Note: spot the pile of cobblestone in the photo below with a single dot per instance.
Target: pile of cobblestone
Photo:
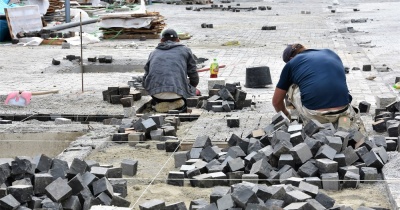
(49, 183)
(286, 162)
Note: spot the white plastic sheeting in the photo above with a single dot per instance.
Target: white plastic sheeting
(42, 4)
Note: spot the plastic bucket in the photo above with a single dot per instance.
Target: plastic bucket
(258, 77)
(4, 32)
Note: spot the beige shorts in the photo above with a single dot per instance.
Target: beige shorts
(294, 97)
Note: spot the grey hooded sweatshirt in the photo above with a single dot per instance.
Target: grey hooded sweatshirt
(168, 68)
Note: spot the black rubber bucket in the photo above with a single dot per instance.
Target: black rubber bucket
(258, 77)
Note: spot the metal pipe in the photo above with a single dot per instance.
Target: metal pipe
(67, 11)
(70, 25)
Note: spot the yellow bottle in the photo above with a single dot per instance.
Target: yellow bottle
(214, 68)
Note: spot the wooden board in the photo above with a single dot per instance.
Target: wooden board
(52, 42)
(23, 19)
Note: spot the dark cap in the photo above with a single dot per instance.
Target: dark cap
(287, 53)
(169, 33)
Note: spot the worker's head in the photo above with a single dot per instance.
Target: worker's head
(292, 50)
(169, 35)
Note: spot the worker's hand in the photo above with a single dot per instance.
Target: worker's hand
(198, 93)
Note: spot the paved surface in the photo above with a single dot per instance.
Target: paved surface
(374, 42)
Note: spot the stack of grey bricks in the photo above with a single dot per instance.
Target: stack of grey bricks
(49, 183)
(222, 98)
(387, 120)
(148, 127)
(284, 153)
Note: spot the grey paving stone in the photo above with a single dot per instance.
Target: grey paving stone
(41, 181)
(42, 162)
(77, 166)
(252, 178)
(176, 206)
(180, 158)
(330, 181)
(58, 190)
(301, 153)
(368, 174)
(202, 142)
(308, 188)
(129, 167)
(371, 159)
(176, 178)
(152, 205)
(243, 195)
(102, 185)
(72, 203)
(351, 180)
(9, 202)
(325, 200)
(326, 165)
(326, 151)
(77, 184)
(308, 169)
(262, 168)
(208, 154)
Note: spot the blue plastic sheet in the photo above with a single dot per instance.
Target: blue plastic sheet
(4, 4)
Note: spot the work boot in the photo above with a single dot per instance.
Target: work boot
(164, 107)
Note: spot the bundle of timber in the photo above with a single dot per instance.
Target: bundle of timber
(54, 5)
(146, 25)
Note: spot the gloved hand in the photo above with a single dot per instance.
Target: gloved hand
(198, 93)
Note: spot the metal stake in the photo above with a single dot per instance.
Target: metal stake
(81, 48)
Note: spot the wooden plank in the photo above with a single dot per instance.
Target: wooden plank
(131, 36)
(9, 26)
(186, 146)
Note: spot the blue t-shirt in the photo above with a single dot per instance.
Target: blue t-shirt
(320, 76)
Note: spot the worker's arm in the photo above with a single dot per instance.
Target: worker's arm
(278, 101)
(192, 70)
(146, 69)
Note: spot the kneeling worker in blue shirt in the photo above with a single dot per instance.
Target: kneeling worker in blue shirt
(315, 83)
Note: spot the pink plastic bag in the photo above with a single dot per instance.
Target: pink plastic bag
(18, 99)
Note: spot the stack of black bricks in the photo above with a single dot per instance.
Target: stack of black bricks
(49, 183)
(386, 119)
(308, 158)
(221, 7)
(114, 95)
(222, 98)
(101, 59)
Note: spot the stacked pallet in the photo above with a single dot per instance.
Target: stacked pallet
(147, 25)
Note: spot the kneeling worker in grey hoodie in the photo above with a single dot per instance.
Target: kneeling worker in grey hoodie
(171, 74)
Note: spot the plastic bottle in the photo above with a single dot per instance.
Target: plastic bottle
(397, 85)
(214, 68)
